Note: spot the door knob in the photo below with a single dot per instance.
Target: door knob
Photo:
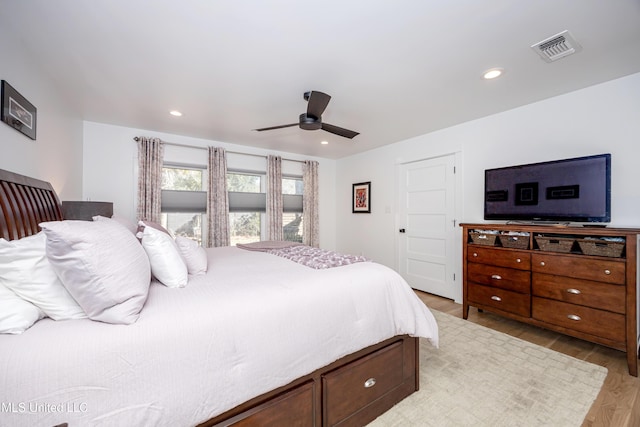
(402, 230)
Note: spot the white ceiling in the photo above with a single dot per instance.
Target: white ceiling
(395, 69)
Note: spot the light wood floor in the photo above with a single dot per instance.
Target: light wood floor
(617, 405)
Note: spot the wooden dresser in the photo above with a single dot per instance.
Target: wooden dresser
(579, 281)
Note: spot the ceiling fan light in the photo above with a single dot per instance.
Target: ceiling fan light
(309, 122)
(312, 119)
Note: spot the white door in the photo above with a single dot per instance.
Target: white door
(427, 225)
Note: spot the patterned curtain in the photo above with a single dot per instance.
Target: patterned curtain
(150, 157)
(310, 232)
(218, 199)
(274, 198)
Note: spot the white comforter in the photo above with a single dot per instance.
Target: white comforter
(254, 322)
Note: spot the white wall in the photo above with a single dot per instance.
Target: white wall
(600, 119)
(56, 154)
(110, 168)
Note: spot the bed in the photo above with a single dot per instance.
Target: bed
(256, 340)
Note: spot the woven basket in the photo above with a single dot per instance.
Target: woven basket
(512, 241)
(555, 244)
(601, 248)
(484, 239)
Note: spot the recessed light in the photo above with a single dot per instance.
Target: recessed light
(324, 142)
(175, 113)
(493, 73)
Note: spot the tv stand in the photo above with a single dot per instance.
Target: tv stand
(579, 281)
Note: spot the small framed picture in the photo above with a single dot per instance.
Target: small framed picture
(361, 198)
(17, 112)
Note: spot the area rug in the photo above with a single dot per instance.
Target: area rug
(482, 377)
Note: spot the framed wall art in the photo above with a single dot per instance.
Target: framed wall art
(17, 112)
(361, 198)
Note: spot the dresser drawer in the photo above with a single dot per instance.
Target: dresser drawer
(513, 302)
(499, 257)
(506, 278)
(584, 319)
(608, 271)
(600, 295)
(352, 387)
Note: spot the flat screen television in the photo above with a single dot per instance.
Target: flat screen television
(568, 190)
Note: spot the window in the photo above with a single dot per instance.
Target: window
(182, 179)
(292, 226)
(292, 221)
(245, 227)
(292, 186)
(184, 204)
(247, 206)
(247, 201)
(184, 201)
(244, 182)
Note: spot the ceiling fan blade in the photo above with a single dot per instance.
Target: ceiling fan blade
(317, 103)
(277, 127)
(339, 131)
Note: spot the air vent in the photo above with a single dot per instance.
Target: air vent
(557, 47)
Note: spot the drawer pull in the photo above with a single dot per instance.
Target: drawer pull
(370, 383)
(542, 263)
(574, 317)
(475, 254)
(518, 260)
(496, 298)
(607, 272)
(574, 291)
(496, 277)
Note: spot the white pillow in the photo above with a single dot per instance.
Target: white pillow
(102, 265)
(16, 314)
(159, 227)
(194, 255)
(166, 263)
(25, 269)
(126, 223)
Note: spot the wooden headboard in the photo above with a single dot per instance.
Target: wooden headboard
(24, 203)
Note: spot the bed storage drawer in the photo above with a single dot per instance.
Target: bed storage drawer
(294, 407)
(351, 388)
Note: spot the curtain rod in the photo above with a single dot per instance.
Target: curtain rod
(198, 147)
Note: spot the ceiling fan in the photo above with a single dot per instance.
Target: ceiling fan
(312, 119)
